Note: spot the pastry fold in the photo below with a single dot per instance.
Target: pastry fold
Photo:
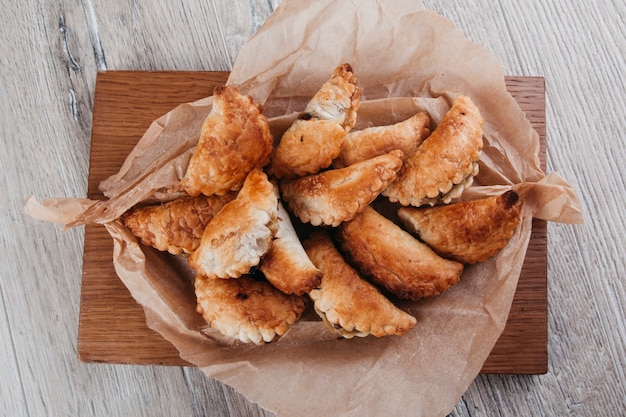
(235, 138)
(241, 233)
(349, 305)
(406, 136)
(337, 195)
(446, 162)
(394, 259)
(246, 309)
(469, 231)
(315, 138)
(175, 226)
(286, 265)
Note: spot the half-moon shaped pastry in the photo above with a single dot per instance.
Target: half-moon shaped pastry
(175, 226)
(394, 259)
(349, 305)
(235, 138)
(468, 232)
(446, 162)
(247, 309)
(241, 233)
(337, 195)
(406, 135)
(286, 265)
(315, 138)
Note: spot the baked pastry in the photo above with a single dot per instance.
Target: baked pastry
(349, 305)
(468, 232)
(446, 162)
(247, 309)
(241, 233)
(394, 259)
(406, 135)
(235, 138)
(287, 266)
(175, 226)
(315, 138)
(337, 195)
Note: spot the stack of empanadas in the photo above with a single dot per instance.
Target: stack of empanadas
(446, 163)
(348, 304)
(250, 205)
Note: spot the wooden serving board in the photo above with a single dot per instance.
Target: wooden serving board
(112, 326)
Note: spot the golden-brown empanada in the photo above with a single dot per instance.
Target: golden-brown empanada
(394, 259)
(337, 195)
(406, 135)
(286, 265)
(241, 233)
(446, 162)
(175, 226)
(315, 138)
(247, 309)
(235, 138)
(347, 304)
(468, 232)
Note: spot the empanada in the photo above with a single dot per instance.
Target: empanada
(175, 226)
(241, 233)
(315, 138)
(247, 309)
(394, 259)
(406, 135)
(337, 195)
(286, 265)
(446, 162)
(235, 138)
(347, 304)
(468, 232)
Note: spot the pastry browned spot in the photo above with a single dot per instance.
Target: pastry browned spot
(235, 138)
(394, 259)
(175, 226)
(247, 309)
(315, 138)
(469, 231)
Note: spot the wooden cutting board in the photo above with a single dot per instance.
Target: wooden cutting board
(112, 326)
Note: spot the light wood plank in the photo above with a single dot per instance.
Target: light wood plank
(47, 97)
(43, 102)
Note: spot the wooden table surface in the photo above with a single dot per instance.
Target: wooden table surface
(50, 55)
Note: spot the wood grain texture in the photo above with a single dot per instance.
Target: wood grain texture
(112, 326)
(51, 53)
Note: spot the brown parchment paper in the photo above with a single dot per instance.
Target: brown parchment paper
(406, 58)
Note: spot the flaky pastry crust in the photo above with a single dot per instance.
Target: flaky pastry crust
(235, 138)
(315, 138)
(241, 233)
(394, 259)
(349, 305)
(469, 231)
(447, 158)
(175, 226)
(337, 195)
(406, 136)
(286, 265)
(246, 309)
